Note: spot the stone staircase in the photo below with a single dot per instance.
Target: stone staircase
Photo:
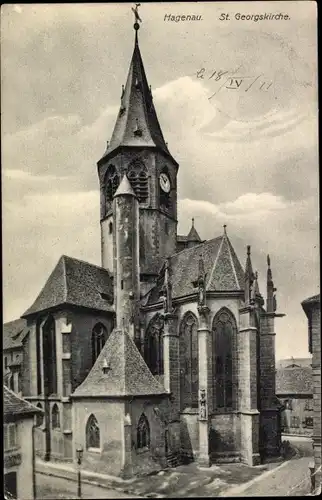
(173, 459)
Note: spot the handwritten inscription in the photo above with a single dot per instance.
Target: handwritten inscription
(231, 82)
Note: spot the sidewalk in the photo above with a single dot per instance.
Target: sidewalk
(185, 480)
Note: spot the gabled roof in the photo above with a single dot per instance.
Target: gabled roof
(222, 267)
(297, 381)
(288, 362)
(75, 282)
(137, 112)
(13, 333)
(193, 234)
(127, 375)
(15, 406)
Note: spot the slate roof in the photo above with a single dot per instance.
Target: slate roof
(296, 381)
(307, 304)
(137, 109)
(14, 405)
(193, 235)
(222, 267)
(13, 332)
(75, 282)
(284, 363)
(128, 374)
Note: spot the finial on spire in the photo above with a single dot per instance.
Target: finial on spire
(137, 19)
(193, 222)
(225, 226)
(268, 261)
(248, 249)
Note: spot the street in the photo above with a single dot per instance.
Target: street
(50, 487)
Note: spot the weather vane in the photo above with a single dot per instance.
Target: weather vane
(136, 14)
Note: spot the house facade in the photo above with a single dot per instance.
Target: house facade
(18, 459)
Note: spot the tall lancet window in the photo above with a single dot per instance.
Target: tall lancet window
(92, 433)
(112, 181)
(99, 337)
(224, 331)
(153, 348)
(138, 177)
(189, 362)
(49, 353)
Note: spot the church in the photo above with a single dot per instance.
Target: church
(165, 353)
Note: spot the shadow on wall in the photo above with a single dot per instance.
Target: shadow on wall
(186, 446)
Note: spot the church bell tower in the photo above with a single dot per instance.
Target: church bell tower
(138, 150)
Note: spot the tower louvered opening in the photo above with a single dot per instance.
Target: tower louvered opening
(138, 178)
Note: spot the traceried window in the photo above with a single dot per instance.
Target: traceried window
(153, 348)
(55, 417)
(92, 433)
(143, 433)
(39, 416)
(112, 181)
(189, 363)
(138, 177)
(223, 340)
(49, 361)
(99, 337)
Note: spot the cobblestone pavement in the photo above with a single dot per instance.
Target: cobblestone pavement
(55, 488)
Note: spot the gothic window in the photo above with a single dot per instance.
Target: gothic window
(189, 361)
(223, 340)
(39, 416)
(92, 433)
(112, 181)
(11, 383)
(138, 178)
(143, 433)
(55, 417)
(110, 228)
(5, 362)
(49, 361)
(99, 337)
(153, 349)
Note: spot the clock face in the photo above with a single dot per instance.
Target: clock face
(164, 182)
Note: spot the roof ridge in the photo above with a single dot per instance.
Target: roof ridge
(215, 263)
(231, 259)
(84, 262)
(65, 294)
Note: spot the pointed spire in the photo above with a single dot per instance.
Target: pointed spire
(249, 278)
(137, 104)
(193, 236)
(271, 297)
(125, 188)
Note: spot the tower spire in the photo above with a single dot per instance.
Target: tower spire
(137, 19)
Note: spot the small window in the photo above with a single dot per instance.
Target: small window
(10, 436)
(295, 421)
(308, 422)
(143, 433)
(55, 417)
(5, 362)
(308, 405)
(110, 228)
(122, 284)
(92, 433)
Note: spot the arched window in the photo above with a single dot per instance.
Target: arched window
(143, 433)
(92, 433)
(99, 337)
(189, 361)
(55, 417)
(110, 228)
(138, 177)
(11, 383)
(39, 416)
(153, 348)
(49, 361)
(224, 344)
(112, 181)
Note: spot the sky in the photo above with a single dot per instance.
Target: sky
(248, 155)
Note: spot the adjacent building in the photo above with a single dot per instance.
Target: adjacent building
(164, 353)
(18, 458)
(13, 337)
(312, 309)
(294, 388)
